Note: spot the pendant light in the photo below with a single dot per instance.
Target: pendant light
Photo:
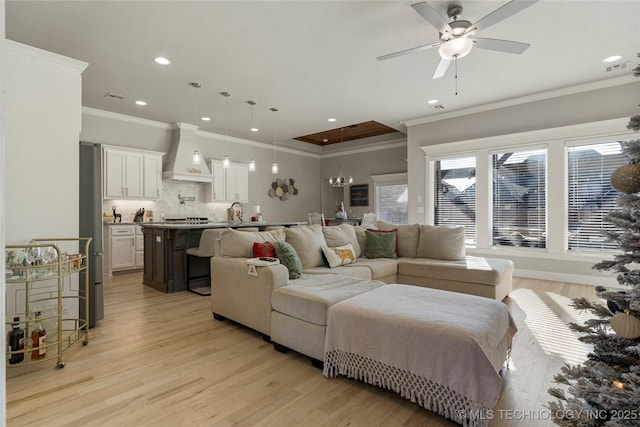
(226, 163)
(340, 181)
(252, 163)
(196, 158)
(274, 165)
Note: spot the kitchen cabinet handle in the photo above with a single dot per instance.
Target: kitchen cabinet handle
(122, 190)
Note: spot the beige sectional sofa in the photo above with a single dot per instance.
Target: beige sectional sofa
(292, 312)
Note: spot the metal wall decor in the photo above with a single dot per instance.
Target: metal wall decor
(283, 188)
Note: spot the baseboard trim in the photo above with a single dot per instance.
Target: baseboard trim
(583, 279)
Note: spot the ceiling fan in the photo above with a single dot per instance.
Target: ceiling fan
(456, 36)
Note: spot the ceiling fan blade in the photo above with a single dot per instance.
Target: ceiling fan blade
(507, 46)
(406, 51)
(503, 12)
(441, 68)
(432, 17)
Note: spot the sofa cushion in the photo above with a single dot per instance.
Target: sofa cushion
(265, 249)
(380, 267)
(441, 242)
(338, 235)
(309, 297)
(289, 258)
(487, 271)
(308, 242)
(353, 270)
(362, 237)
(339, 255)
(381, 245)
(235, 243)
(408, 235)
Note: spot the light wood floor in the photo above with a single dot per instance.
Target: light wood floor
(160, 359)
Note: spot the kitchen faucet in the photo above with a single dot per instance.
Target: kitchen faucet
(241, 211)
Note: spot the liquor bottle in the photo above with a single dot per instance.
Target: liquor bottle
(16, 342)
(38, 339)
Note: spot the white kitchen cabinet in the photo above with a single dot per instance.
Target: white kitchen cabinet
(229, 185)
(237, 183)
(218, 189)
(139, 255)
(132, 174)
(125, 247)
(152, 176)
(123, 174)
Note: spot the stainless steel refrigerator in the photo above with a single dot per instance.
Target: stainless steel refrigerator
(91, 226)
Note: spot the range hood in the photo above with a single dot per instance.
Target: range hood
(178, 164)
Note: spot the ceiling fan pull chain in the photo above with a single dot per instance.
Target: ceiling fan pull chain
(456, 75)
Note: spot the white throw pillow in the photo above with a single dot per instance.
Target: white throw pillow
(340, 255)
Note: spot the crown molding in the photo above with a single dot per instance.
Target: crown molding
(386, 145)
(55, 58)
(226, 138)
(125, 118)
(540, 96)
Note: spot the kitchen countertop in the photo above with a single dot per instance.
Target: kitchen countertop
(125, 223)
(218, 224)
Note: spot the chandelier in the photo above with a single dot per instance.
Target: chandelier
(341, 181)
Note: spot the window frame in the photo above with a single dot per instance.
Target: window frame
(556, 140)
(386, 179)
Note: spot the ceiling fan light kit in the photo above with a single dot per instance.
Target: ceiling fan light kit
(456, 48)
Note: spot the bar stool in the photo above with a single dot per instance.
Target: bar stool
(205, 249)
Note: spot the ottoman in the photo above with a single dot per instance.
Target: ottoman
(440, 349)
(299, 316)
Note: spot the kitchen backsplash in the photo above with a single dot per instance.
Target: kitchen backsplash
(169, 206)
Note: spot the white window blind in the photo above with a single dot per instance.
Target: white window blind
(519, 198)
(391, 203)
(591, 196)
(455, 194)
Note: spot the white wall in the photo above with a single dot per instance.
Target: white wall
(3, 333)
(42, 99)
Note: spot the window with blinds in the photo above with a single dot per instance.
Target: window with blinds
(391, 203)
(591, 196)
(519, 198)
(455, 194)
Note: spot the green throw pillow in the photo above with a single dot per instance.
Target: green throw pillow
(290, 259)
(381, 245)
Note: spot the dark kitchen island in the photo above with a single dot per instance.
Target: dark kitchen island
(165, 245)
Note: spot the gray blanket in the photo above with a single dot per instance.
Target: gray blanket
(441, 349)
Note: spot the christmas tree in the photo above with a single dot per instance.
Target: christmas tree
(605, 389)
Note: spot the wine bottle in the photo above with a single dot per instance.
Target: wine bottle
(16, 342)
(38, 339)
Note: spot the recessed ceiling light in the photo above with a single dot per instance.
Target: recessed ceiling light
(161, 60)
(140, 102)
(432, 101)
(331, 119)
(612, 58)
(254, 129)
(205, 118)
